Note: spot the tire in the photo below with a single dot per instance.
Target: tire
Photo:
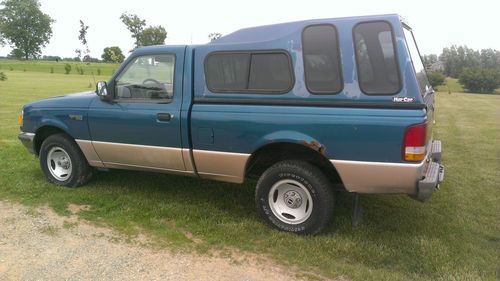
(295, 196)
(63, 163)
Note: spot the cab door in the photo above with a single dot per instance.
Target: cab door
(140, 127)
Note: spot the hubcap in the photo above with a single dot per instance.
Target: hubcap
(290, 201)
(59, 163)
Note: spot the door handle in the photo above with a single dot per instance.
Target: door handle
(164, 117)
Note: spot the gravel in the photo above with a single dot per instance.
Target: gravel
(41, 245)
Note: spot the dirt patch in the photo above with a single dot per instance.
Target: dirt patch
(44, 246)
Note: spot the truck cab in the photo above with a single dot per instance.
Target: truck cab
(306, 108)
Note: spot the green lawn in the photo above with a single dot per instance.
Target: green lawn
(452, 85)
(454, 236)
(106, 69)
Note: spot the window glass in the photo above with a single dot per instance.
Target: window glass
(147, 78)
(270, 72)
(417, 62)
(376, 58)
(321, 59)
(227, 72)
(248, 72)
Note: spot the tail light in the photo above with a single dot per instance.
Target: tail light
(414, 142)
(21, 118)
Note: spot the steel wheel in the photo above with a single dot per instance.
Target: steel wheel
(59, 163)
(290, 201)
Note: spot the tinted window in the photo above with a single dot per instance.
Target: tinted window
(227, 72)
(248, 72)
(270, 72)
(321, 59)
(417, 62)
(147, 78)
(376, 58)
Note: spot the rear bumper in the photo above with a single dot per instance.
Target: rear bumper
(418, 180)
(432, 176)
(27, 140)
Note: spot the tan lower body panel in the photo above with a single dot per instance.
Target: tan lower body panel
(156, 157)
(222, 166)
(136, 157)
(216, 165)
(89, 152)
(379, 177)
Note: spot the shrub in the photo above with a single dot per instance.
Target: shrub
(3, 77)
(436, 79)
(67, 68)
(11, 68)
(98, 72)
(80, 70)
(480, 80)
(51, 69)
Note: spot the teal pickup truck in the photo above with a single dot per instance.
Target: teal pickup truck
(307, 108)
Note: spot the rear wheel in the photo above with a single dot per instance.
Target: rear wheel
(295, 196)
(62, 161)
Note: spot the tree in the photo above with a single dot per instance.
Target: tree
(436, 79)
(78, 54)
(135, 25)
(151, 35)
(214, 36)
(480, 80)
(429, 60)
(83, 38)
(457, 58)
(25, 27)
(113, 54)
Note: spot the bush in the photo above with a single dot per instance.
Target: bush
(67, 68)
(11, 68)
(51, 69)
(80, 70)
(98, 72)
(436, 79)
(480, 80)
(3, 77)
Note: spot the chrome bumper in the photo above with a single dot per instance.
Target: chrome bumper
(433, 175)
(27, 140)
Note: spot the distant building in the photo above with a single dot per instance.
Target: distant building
(436, 66)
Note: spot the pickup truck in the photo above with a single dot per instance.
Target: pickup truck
(307, 108)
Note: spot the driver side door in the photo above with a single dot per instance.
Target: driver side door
(140, 128)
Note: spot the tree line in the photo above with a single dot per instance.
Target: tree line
(27, 30)
(477, 71)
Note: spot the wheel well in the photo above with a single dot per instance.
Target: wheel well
(43, 133)
(273, 153)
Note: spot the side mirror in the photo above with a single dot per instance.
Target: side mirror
(102, 91)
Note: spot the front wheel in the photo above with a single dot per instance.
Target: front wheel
(62, 161)
(295, 196)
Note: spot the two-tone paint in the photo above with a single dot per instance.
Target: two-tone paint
(213, 135)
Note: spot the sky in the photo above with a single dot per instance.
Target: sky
(437, 24)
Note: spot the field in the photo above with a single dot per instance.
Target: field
(105, 69)
(454, 236)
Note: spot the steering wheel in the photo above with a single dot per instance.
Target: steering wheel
(150, 80)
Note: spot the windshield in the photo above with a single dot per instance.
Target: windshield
(423, 82)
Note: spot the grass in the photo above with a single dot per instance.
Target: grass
(452, 85)
(106, 69)
(454, 236)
